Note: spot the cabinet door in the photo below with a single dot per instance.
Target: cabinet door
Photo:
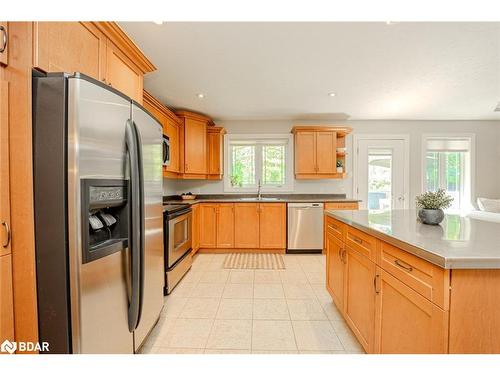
(272, 225)
(4, 170)
(305, 152)
(69, 47)
(195, 143)
(335, 269)
(359, 297)
(406, 322)
(225, 225)
(326, 152)
(246, 225)
(6, 299)
(214, 141)
(4, 43)
(208, 225)
(122, 74)
(172, 130)
(195, 230)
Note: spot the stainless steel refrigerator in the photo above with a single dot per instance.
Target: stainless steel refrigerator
(98, 216)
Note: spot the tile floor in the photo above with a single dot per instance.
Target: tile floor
(214, 310)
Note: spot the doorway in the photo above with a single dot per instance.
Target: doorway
(381, 171)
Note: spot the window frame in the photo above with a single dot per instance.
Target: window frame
(286, 139)
(467, 191)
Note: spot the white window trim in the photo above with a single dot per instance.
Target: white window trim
(355, 145)
(471, 163)
(289, 157)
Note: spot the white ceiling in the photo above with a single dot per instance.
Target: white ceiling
(286, 70)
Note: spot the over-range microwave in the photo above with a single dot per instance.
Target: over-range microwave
(166, 150)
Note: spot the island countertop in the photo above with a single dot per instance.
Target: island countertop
(457, 243)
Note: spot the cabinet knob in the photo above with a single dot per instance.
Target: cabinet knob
(4, 39)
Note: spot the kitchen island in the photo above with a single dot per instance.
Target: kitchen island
(406, 287)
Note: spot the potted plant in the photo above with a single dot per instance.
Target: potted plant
(431, 205)
(340, 166)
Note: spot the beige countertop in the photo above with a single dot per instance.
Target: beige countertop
(285, 199)
(457, 243)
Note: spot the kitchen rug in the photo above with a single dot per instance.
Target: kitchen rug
(254, 261)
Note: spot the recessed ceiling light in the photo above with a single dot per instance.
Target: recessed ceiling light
(200, 96)
(158, 22)
(497, 109)
(390, 23)
(332, 94)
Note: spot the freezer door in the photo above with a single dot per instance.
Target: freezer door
(99, 289)
(150, 134)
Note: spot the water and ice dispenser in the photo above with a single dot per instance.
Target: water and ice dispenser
(105, 218)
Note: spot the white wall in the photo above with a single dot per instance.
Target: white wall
(487, 168)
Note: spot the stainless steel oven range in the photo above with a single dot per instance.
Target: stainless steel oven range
(177, 243)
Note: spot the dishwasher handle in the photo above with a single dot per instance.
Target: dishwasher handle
(306, 205)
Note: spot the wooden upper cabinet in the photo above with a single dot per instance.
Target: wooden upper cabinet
(326, 152)
(305, 149)
(195, 147)
(215, 151)
(208, 225)
(70, 47)
(4, 43)
(122, 74)
(316, 151)
(225, 225)
(100, 50)
(246, 225)
(5, 224)
(272, 225)
(406, 322)
(335, 269)
(359, 297)
(6, 299)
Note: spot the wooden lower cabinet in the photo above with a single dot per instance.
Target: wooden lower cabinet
(246, 226)
(195, 228)
(225, 226)
(406, 322)
(6, 299)
(272, 225)
(208, 225)
(359, 297)
(335, 269)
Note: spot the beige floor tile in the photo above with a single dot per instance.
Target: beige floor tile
(205, 290)
(183, 289)
(200, 308)
(161, 350)
(341, 327)
(267, 277)
(188, 333)
(241, 277)
(238, 291)
(292, 276)
(273, 335)
(173, 306)
(275, 352)
(215, 266)
(160, 332)
(192, 276)
(298, 290)
(230, 334)
(305, 309)
(227, 351)
(321, 293)
(350, 343)
(235, 308)
(322, 352)
(268, 291)
(219, 276)
(316, 277)
(315, 267)
(270, 309)
(331, 311)
(316, 335)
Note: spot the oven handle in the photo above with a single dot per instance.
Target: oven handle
(178, 214)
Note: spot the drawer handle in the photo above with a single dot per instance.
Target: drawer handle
(377, 290)
(403, 265)
(7, 232)
(356, 239)
(4, 39)
(342, 257)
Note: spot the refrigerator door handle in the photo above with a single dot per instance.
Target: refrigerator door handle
(134, 225)
(142, 232)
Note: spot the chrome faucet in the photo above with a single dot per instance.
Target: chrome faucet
(259, 196)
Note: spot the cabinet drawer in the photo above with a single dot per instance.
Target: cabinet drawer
(362, 242)
(427, 279)
(335, 228)
(341, 206)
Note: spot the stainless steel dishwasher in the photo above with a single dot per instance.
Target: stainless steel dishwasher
(305, 227)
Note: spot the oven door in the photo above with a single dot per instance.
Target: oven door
(166, 150)
(179, 237)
